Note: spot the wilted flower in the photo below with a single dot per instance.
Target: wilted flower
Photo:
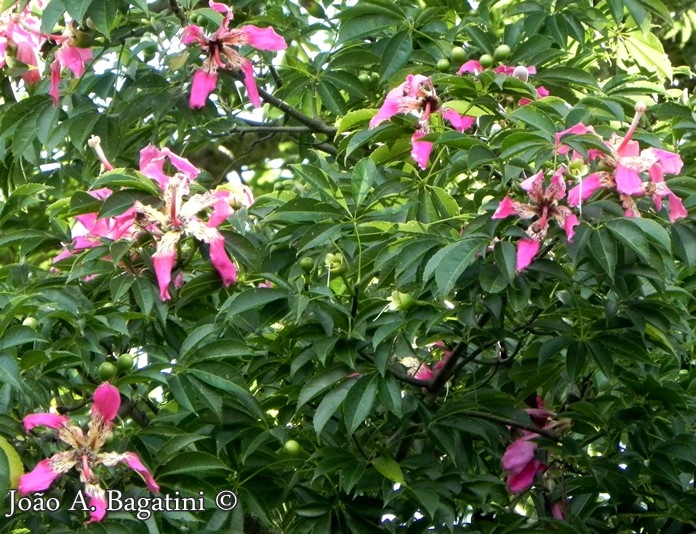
(221, 54)
(67, 56)
(21, 32)
(544, 207)
(417, 95)
(85, 451)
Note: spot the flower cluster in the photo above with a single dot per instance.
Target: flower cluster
(622, 168)
(21, 31)
(520, 72)
(221, 54)
(520, 460)
(178, 215)
(417, 95)
(85, 451)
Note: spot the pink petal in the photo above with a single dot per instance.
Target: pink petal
(222, 263)
(218, 6)
(459, 122)
(506, 208)
(74, 58)
(391, 106)
(264, 38)
(54, 91)
(569, 224)
(526, 250)
(424, 373)
(557, 510)
(584, 189)
(163, 263)
(518, 454)
(577, 129)
(193, 33)
(152, 164)
(472, 67)
(3, 50)
(221, 209)
(420, 151)
(250, 83)
(50, 420)
(533, 185)
(630, 149)
(39, 478)
(134, 463)
(504, 69)
(522, 481)
(676, 208)
(203, 84)
(627, 180)
(106, 401)
(542, 91)
(669, 162)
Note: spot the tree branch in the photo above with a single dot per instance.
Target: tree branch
(316, 125)
(509, 422)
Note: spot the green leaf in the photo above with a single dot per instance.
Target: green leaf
(192, 462)
(118, 178)
(603, 249)
(320, 382)
(77, 8)
(353, 120)
(359, 401)
(222, 383)
(389, 468)
(506, 258)
(331, 98)
(396, 54)
(365, 26)
(103, 13)
(645, 50)
(536, 118)
(390, 395)
(250, 299)
(564, 76)
(197, 336)
(632, 236)
(450, 262)
(175, 445)
(576, 359)
(331, 402)
(363, 178)
(118, 202)
(18, 335)
(51, 14)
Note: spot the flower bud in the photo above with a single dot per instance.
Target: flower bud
(521, 73)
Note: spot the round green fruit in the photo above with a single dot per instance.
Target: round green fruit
(443, 65)
(307, 264)
(106, 371)
(31, 322)
(502, 53)
(364, 77)
(458, 54)
(292, 448)
(124, 362)
(486, 61)
(13, 461)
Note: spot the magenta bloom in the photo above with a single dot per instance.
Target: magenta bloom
(417, 95)
(178, 216)
(84, 453)
(544, 207)
(521, 464)
(67, 56)
(220, 54)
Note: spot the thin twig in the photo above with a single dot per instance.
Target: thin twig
(315, 124)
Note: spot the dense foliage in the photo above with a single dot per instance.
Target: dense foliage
(376, 266)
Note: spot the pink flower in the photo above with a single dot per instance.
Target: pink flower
(84, 453)
(220, 54)
(471, 67)
(178, 216)
(417, 95)
(67, 56)
(521, 464)
(544, 207)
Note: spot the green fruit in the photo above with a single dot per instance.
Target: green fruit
(443, 65)
(335, 263)
(307, 264)
(458, 54)
(31, 322)
(292, 448)
(14, 462)
(502, 53)
(124, 362)
(486, 61)
(364, 77)
(106, 371)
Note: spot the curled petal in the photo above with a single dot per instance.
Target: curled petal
(459, 122)
(50, 420)
(54, 90)
(584, 189)
(152, 164)
(506, 208)
(526, 250)
(557, 510)
(133, 461)
(74, 58)
(107, 401)
(676, 207)
(264, 38)
(420, 151)
(97, 502)
(534, 186)
(250, 83)
(219, 6)
(163, 262)
(391, 105)
(518, 454)
(193, 33)
(204, 83)
(45, 472)
(424, 373)
(222, 263)
(568, 221)
(542, 91)
(472, 67)
(577, 129)
(523, 480)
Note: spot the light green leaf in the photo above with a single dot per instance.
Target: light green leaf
(330, 403)
(359, 401)
(450, 262)
(389, 468)
(396, 54)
